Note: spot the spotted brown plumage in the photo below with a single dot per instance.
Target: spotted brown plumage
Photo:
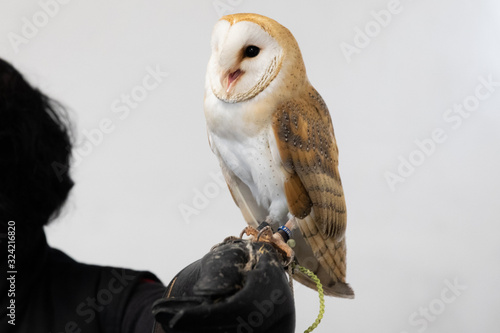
(307, 146)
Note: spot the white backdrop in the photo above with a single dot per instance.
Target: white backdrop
(414, 92)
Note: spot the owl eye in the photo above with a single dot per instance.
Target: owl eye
(251, 51)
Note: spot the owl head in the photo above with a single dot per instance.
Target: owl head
(249, 53)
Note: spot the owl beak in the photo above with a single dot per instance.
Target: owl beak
(231, 79)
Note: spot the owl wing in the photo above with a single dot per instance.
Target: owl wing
(309, 154)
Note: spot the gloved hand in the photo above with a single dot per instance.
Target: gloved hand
(239, 286)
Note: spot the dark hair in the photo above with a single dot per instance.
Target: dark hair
(35, 151)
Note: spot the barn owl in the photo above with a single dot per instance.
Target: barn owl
(273, 136)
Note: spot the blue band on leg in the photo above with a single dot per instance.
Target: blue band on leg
(286, 230)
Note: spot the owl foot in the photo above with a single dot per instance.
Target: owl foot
(275, 239)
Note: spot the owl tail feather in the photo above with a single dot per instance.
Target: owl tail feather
(324, 256)
(338, 289)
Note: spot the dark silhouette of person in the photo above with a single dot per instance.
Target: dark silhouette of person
(47, 291)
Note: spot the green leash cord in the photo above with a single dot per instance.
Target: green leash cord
(319, 286)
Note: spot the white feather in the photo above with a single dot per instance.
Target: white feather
(251, 160)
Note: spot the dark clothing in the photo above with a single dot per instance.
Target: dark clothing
(54, 293)
(239, 286)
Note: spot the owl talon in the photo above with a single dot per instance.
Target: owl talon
(285, 250)
(249, 231)
(266, 233)
(230, 239)
(276, 240)
(226, 240)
